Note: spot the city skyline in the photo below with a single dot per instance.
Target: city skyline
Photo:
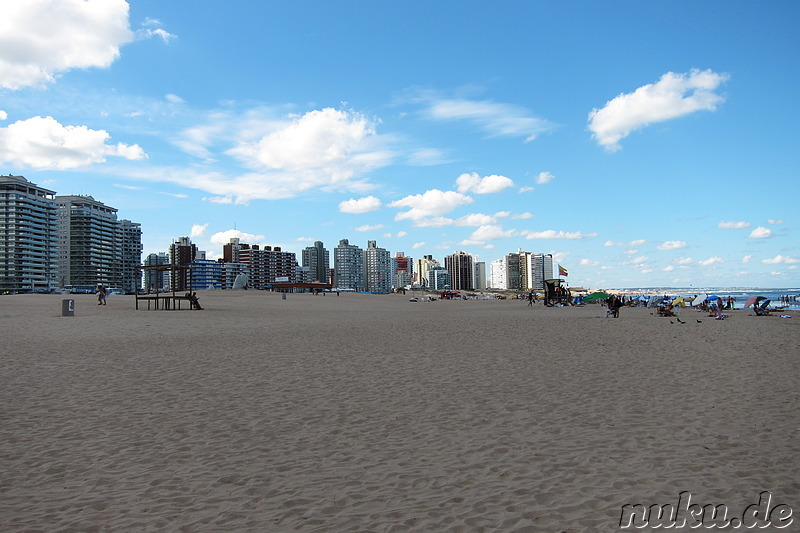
(648, 145)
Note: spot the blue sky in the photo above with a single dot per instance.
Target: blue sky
(641, 143)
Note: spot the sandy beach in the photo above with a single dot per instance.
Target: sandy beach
(372, 413)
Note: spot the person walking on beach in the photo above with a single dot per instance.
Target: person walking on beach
(101, 295)
(530, 299)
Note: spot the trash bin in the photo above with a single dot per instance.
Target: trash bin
(68, 307)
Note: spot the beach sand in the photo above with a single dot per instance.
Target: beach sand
(372, 413)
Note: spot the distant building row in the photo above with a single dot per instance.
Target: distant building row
(49, 241)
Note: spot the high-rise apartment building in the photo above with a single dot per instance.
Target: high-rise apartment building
(421, 271)
(439, 279)
(95, 247)
(348, 265)
(402, 269)
(497, 276)
(462, 271)
(541, 270)
(181, 254)
(156, 280)
(268, 265)
(514, 269)
(28, 236)
(480, 275)
(317, 258)
(377, 269)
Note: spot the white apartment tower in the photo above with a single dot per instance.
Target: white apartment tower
(28, 236)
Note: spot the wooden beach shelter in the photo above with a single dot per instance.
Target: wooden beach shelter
(556, 292)
(170, 300)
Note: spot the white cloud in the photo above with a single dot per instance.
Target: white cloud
(41, 38)
(489, 233)
(668, 268)
(199, 230)
(475, 219)
(588, 263)
(431, 203)
(522, 216)
(3, 115)
(327, 149)
(360, 205)
(418, 245)
(637, 242)
(224, 237)
(544, 177)
(780, 259)
(42, 142)
(486, 185)
(747, 258)
(174, 99)
(427, 157)
(367, 227)
(401, 234)
(497, 119)
(775, 221)
(733, 225)
(152, 28)
(553, 234)
(710, 261)
(525, 189)
(674, 95)
(672, 245)
(760, 233)
(684, 261)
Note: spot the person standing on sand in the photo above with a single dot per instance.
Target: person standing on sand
(101, 295)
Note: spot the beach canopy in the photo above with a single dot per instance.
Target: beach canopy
(596, 296)
(710, 298)
(753, 300)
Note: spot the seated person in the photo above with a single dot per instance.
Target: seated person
(761, 310)
(193, 301)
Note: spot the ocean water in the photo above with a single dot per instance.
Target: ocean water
(739, 294)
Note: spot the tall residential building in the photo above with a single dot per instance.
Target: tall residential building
(497, 276)
(480, 275)
(439, 279)
(95, 247)
(28, 236)
(130, 255)
(421, 271)
(348, 265)
(462, 272)
(377, 269)
(181, 253)
(206, 274)
(156, 280)
(268, 265)
(514, 269)
(402, 270)
(317, 258)
(541, 270)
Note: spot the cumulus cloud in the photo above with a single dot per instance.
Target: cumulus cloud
(328, 149)
(527, 188)
(497, 119)
(431, 203)
(360, 205)
(544, 177)
(780, 259)
(488, 184)
(224, 237)
(42, 142)
(401, 234)
(553, 234)
(760, 233)
(3, 115)
(710, 261)
(672, 245)
(475, 219)
(674, 95)
(747, 258)
(522, 216)
(198, 230)
(733, 225)
(637, 242)
(487, 233)
(42, 38)
(418, 245)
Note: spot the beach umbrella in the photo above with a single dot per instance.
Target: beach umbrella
(711, 298)
(596, 296)
(753, 300)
